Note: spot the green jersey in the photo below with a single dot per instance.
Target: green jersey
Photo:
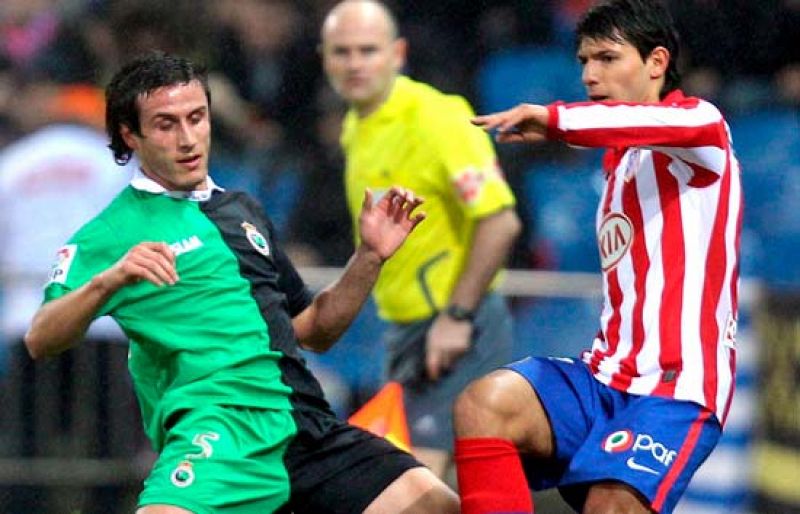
(222, 334)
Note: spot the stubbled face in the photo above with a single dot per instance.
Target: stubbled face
(614, 70)
(176, 136)
(361, 57)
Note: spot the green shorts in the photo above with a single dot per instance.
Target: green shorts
(223, 459)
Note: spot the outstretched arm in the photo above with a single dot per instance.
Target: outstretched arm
(61, 323)
(525, 123)
(383, 227)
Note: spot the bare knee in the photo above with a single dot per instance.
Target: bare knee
(614, 498)
(504, 405)
(417, 491)
(480, 410)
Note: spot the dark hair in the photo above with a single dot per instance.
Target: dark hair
(645, 24)
(140, 77)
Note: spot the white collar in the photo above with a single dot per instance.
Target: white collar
(142, 182)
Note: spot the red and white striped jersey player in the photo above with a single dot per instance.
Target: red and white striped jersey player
(668, 235)
(624, 428)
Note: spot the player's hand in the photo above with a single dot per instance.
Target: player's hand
(386, 224)
(446, 341)
(525, 123)
(153, 262)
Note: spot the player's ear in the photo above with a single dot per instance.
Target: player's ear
(129, 137)
(658, 62)
(399, 49)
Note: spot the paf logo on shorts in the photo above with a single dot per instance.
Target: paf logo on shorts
(646, 443)
(257, 240)
(618, 441)
(614, 239)
(64, 258)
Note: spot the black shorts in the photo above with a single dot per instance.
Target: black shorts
(337, 468)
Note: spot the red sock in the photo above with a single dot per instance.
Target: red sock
(490, 477)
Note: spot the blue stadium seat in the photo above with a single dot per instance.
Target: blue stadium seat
(558, 327)
(768, 146)
(562, 201)
(528, 74)
(274, 183)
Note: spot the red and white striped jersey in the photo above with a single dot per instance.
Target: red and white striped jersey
(668, 228)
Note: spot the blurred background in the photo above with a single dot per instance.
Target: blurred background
(70, 436)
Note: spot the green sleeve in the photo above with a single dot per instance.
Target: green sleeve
(94, 248)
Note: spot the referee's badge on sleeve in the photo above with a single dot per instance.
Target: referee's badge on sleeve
(64, 257)
(469, 184)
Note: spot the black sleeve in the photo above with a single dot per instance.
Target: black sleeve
(290, 283)
(297, 293)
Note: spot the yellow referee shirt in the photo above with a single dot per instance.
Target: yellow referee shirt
(423, 140)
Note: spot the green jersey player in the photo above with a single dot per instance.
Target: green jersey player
(216, 313)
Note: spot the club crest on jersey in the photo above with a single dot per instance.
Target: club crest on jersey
(614, 239)
(183, 475)
(256, 239)
(64, 257)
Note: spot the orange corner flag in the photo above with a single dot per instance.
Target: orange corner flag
(385, 415)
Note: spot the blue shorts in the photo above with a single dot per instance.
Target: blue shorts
(650, 443)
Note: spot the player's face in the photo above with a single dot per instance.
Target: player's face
(615, 71)
(361, 59)
(176, 136)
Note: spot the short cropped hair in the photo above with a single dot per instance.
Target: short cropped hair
(138, 78)
(645, 24)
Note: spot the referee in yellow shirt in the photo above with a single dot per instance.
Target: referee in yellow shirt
(447, 327)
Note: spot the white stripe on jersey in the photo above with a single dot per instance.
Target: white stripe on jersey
(696, 236)
(600, 116)
(710, 157)
(647, 360)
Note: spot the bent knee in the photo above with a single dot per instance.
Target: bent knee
(614, 498)
(487, 407)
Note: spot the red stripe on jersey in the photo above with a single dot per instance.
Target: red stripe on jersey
(716, 263)
(614, 322)
(680, 461)
(641, 265)
(611, 159)
(702, 135)
(701, 176)
(611, 336)
(673, 251)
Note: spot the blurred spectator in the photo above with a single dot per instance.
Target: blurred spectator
(263, 48)
(740, 54)
(320, 227)
(787, 78)
(27, 27)
(51, 182)
(178, 26)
